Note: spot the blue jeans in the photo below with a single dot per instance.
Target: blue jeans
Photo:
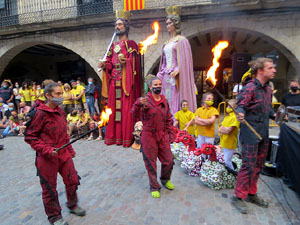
(7, 131)
(90, 101)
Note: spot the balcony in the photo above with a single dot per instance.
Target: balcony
(21, 12)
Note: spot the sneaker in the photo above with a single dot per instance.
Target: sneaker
(60, 222)
(155, 194)
(90, 138)
(257, 201)
(239, 204)
(169, 185)
(78, 211)
(99, 138)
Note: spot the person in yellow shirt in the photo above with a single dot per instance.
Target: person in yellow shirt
(33, 93)
(183, 117)
(229, 130)
(72, 120)
(205, 117)
(68, 99)
(40, 93)
(83, 122)
(25, 93)
(78, 92)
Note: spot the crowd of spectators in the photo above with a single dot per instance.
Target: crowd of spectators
(81, 105)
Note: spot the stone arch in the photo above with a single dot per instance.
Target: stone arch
(267, 31)
(17, 46)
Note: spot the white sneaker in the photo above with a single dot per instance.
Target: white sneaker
(60, 222)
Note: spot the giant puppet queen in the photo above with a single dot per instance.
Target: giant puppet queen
(121, 83)
(176, 65)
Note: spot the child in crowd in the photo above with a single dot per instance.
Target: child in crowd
(95, 122)
(229, 130)
(205, 117)
(22, 123)
(72, 119)
(183, 117)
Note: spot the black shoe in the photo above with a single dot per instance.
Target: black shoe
(78, 211)
(257, 201)
(239, 204)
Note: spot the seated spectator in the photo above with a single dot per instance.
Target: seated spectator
(22, 123)
(83, 122)
(93, 124)
(13, 124)
(6, 116)
(72, 119)
(24, 109)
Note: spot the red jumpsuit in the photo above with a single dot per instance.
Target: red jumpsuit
(47, 131)
(157, 134)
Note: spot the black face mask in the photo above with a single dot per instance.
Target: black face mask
(74, 113)
(156, 90)
(294, 89)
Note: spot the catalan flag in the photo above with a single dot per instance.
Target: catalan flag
(134, 4)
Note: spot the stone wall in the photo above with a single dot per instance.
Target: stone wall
(282, 31)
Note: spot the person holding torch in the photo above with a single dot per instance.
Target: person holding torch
(255, 107)
(158, 132)
(46, 133)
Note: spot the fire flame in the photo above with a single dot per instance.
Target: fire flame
(150, 40)
(104, 117)
(217, 51)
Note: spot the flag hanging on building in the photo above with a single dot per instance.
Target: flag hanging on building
(134, 4)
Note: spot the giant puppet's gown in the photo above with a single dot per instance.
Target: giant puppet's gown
(121, 84)
(177, 55)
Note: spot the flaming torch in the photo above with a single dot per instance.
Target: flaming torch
(104, 118)
(211, 78)
(150, 40)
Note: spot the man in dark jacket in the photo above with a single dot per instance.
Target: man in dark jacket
(255, 106)
(157, 134)
(46, 133)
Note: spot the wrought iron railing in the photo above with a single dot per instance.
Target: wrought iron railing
(19, 12)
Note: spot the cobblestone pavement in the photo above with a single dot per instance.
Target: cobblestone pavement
(114, 190)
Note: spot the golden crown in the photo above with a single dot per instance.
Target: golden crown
(173, 10)
(123, 14)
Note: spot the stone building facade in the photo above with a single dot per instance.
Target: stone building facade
(251, 26)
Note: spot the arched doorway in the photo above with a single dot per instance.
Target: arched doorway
(254, 43)
(39, 61)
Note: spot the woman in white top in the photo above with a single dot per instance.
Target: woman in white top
(17, 95)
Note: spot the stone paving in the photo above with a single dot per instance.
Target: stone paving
(114, 190)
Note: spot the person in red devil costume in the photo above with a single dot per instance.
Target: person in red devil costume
(158, 132)
(47, 132)
(121, 84)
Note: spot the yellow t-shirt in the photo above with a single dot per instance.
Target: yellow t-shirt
(84, 116)
(72, 119)
(183, 118)
(230, 141)
(42, 97)
(33, 94)
(206, 113)
(67, 95)
(77, 91)
(25, 95)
